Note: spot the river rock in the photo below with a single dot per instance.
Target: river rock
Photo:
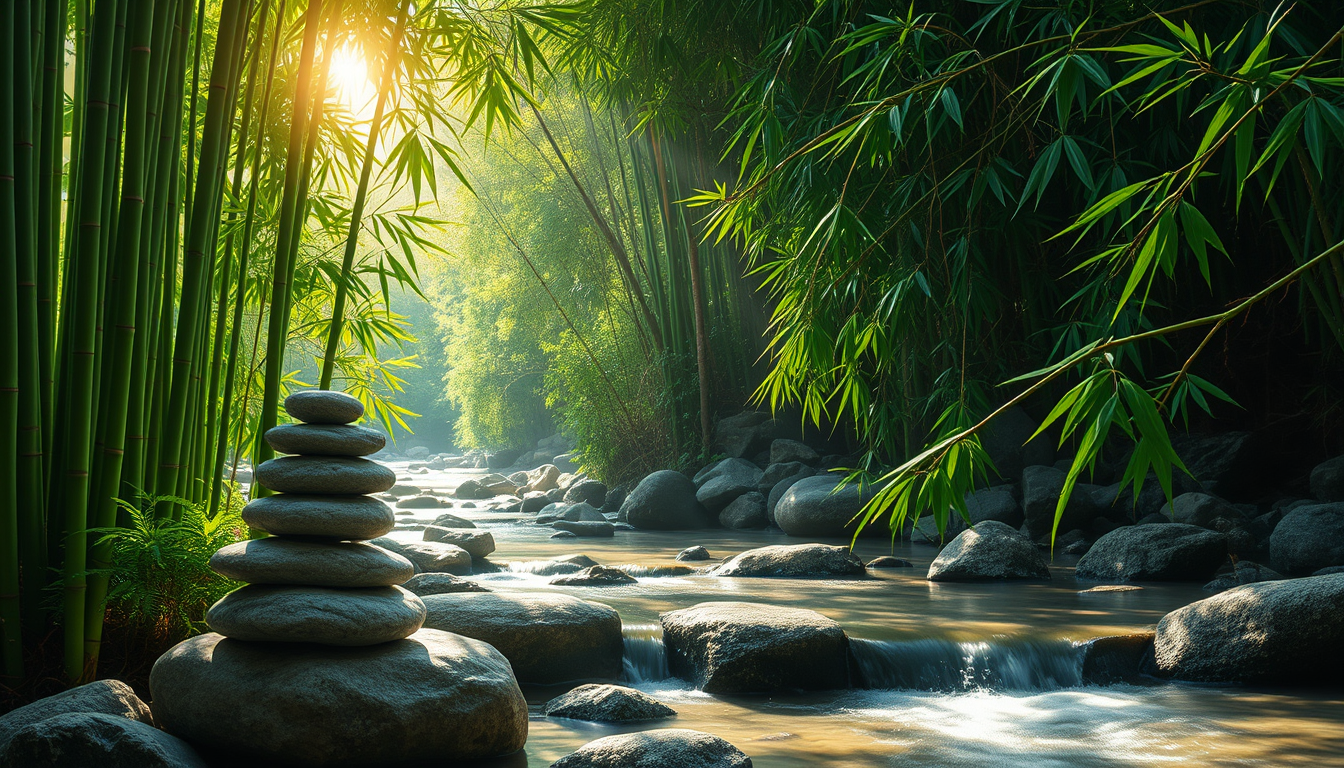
(595, 576)
(1308, 539)
(303, 614)
(1327, 480)
(447, 520)
(276, 560)
(401, 489)
(739, 647)
(887, 561)
(814, 507)
(543, 478)
(794, 560)
(586, 528)
(1164, 552)
(719, 485)
(777, 491)
(1116, 658)
(424, 584)
(745, 512)
(325, 475)
(587, 491)
(661, 748)
(748, 433)
(776, 472)
(338, 517)
(1273, 633)
(1196, 508)
(533, 501)
(1008, 441)
(477, 543)
(1041, 489)
(88, 739)
(784, 450)
(608, 704)
(417, 700)
(693, 554)
(1243, 572)
(419, 502)
(430, 556)
(325, 439)
(665, 500)
(1227, 464)
(107, 697)
(548, 638)
(990, 551)
(996, 503)
(323, 406)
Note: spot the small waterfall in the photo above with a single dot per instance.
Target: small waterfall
(645, 658)
(943, 665)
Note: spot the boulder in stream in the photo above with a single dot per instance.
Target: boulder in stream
(795, 560)
(693, 554)
(662, 748)
(717, 486)
(586, 528)
(442, 584)
(745, 512)
(817, 506)
(1116, 658)
(664, 501)
(477, 543)
(990, 551)
(1309, 538)
(608, 704)
(1160, 552)
(595, 576)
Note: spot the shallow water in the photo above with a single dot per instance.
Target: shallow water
(962, 674)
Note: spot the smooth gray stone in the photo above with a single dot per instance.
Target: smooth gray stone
(420, 701)
(289, 614)
(661, 748)
(1165, 552)
(430, 556)
(595, 576)
(419, 502)
(287, 561)
(442, 584)
(351, 518)
(990, 551)
(586, 528)
(325, 475)
(796, 561)
(325, 439)
(319, 406)
(96, 740)
(608, 704)
(477, 542)
(109, 697)
(1308, 539)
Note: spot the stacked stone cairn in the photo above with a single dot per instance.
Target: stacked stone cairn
(322, 636)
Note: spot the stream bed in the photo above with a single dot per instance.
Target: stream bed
(964, 674)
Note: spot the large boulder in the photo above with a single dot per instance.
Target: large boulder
(1271, 633)
(543, 478)
(990, 551)
(548, 638)
(1041, 489)
(430, 697)
(777, 491)
(1116, 658)
(817, 506)
(1327, 480)
(776, 472)
(745, 512)
(719, 485)
(586, 492)
(478, 543)
(449, 520)
(737, 647)
(86, 739)
(1196, 508)
(504, 458)
(1308, 539)
(785, 450)
(608, 704)
(748, 433)
(1155, 552)
(996, 503)
(1007, 440)
(586, 528)
(107, 697)
(662, 748)
(664, 501)
(794, 560)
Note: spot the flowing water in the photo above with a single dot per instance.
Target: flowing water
(981, 675)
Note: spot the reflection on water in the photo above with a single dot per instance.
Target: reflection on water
(982, 675)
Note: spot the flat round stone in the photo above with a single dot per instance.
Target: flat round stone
(322, 406)
(325, 475)
(325, 439)
(285, 614)
(338, 517)
(286, 561)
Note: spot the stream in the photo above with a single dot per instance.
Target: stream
(961, 674)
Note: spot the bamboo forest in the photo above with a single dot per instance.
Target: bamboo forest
(671, 383)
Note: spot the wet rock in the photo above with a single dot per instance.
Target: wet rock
(785, 451)
(533, 501)
(288, 561)
(725, 481)
(1006, 438)
(1197, 508)
(745, 512)
(302, 614)
(1308, 539)
(1166, 552)
(693, 554)
(738, 647)
(1102, 588)
(564, 535)
(887, 561)
(1116, 659)
(996, 503)
(478, 543)
(615, 498)
(431, 696)
(84, 739)
(662, 748)
(988, 552)
(430, 556)
(608, 704)
(665, 500)
(543, 478)
(452, 521)
(595, 576)
(1041, 489)
(471, 489)
(419, 502)
(548, 638)
(586, 528)
(782, 487)
(816, 506)
(400, 489)
(589, 492)
(1242, 572)
(442, 584)
(107, 697)
(581, 512)
(794, 560)
(1273, 632)
(325, 439)
(318, 406)
(1327, 480)
(656, 571)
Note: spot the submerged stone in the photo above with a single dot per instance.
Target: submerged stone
(595, 576)
(662, 748)
(608, 704)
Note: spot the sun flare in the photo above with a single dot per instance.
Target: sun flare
(350, 76)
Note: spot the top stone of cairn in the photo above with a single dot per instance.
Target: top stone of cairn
(319, 406)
